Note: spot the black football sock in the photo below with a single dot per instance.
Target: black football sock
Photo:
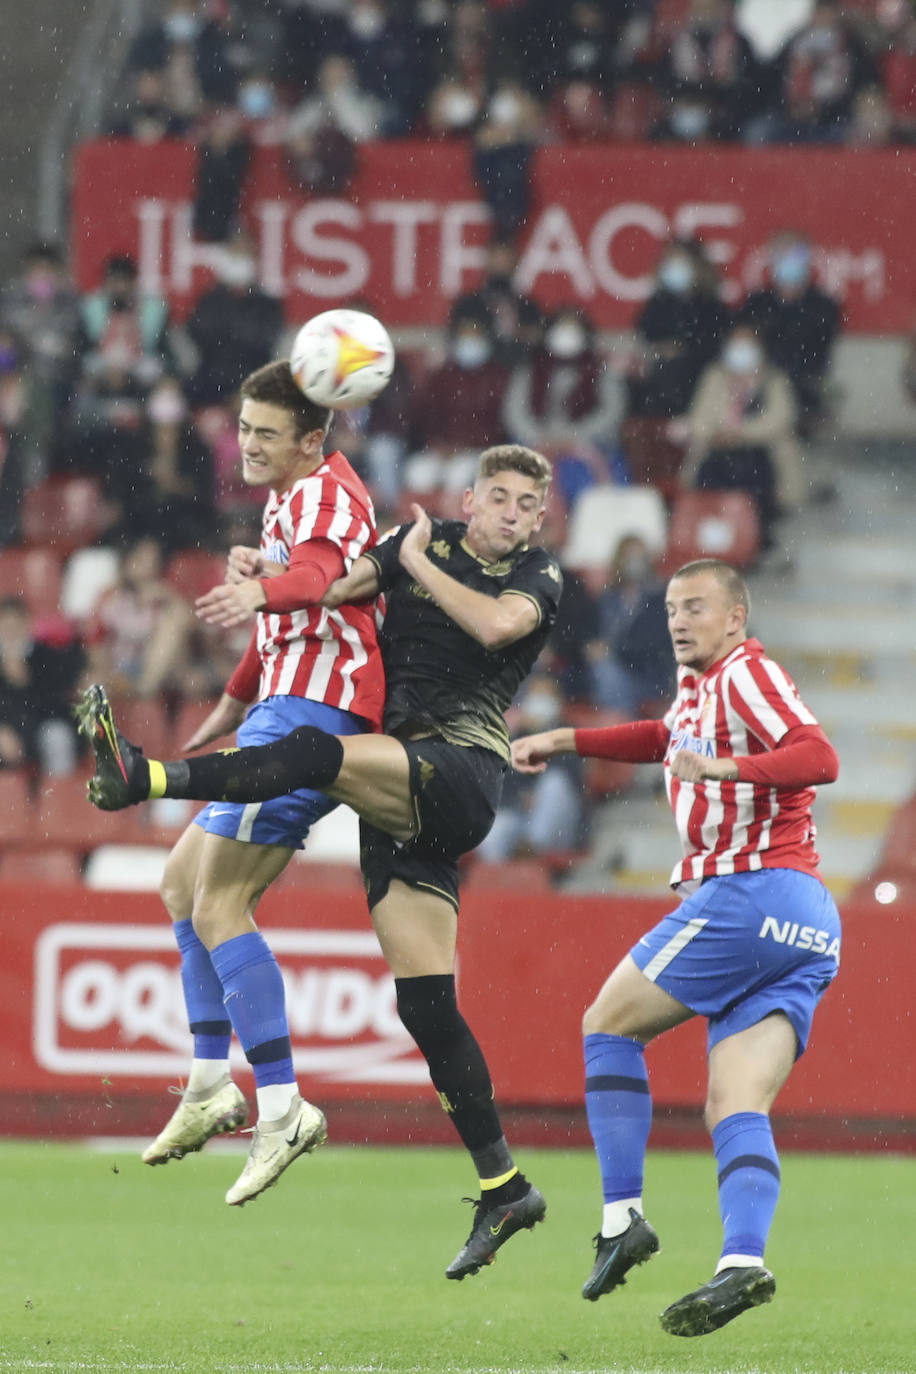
(429, 1010)
(306, 757)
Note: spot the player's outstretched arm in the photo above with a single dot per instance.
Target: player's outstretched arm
(359, 584)
(530, 753)
(225, 718)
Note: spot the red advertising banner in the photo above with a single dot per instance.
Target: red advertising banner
(409, 236)
(91, 1005)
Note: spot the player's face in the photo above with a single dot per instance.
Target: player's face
(272, 456)
(703, 625)
(503, 512)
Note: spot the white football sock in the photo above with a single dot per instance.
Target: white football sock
(617, 1217)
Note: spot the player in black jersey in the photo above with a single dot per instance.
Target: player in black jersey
(469, 607)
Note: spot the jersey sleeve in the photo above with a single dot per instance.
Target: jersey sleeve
(765, 698)
(313, 566)
(537, 577)
(804, 757)
(243, 684)
(324, 509)
(385, 556)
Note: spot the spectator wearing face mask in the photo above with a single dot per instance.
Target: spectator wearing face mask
(40, 306)
(224, 153)
(565, 401)
(630, 655)
(512, 124)
(515, 319)
(798, 323)
(678, 331)
(741, 430)
(457, 409)
(166, 489)
(816, 78)
(235, 325)
(709, 74)
(118, 314)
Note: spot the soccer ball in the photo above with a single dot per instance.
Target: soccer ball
(342, 359)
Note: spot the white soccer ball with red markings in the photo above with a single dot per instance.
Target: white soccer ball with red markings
(342, 359)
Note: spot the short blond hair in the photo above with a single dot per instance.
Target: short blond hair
(516, 458)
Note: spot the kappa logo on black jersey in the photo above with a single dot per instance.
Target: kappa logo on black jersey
(441, 548)
(552, 571)
(427, 771)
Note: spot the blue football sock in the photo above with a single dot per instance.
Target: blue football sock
(748, 1182)
(203, 996)
(255, 1000)
(619, 1110)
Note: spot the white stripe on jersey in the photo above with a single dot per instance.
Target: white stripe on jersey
(354, 642)
(742, 704)
(770, 720)
(672, 948)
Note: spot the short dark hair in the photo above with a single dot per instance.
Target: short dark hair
(731, 581)
(516, 458)
(273, 385)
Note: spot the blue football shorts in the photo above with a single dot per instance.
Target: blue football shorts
(744, 946)
(281, 820)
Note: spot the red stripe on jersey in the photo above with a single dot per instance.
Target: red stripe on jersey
(327, 656)
(742, 706)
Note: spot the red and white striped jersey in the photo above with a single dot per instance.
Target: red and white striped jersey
(328, 656)
(742, 705)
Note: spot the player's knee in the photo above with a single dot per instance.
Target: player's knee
(428, 1007)
(175, 891)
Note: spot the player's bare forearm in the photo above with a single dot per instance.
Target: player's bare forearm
(530, 753)
(359, 584)
(690, 767)
(231, 603)
(494, 622)
(225, 718)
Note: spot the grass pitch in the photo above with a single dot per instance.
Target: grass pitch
(110, 1265)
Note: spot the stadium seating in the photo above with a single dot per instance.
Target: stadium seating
(87, 574)
(35, 575)
(602, 516)
(194, 571)
(713, 524)
(653, 458)
(64, 512)
(61, 867)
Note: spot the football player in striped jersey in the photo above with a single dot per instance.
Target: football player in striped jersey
(752, 947)
(305, 665)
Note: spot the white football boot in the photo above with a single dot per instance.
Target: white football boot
(198, 1116)
(274, 1147)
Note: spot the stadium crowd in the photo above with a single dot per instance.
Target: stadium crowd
(104, 388)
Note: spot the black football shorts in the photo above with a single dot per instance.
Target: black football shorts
(456, 791)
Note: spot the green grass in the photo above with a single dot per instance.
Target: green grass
(109, 1265)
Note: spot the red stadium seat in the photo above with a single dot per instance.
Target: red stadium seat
(651, 456)
(63, 513)
(64, 818)
(59, 866)
(713, 524)
(35, 575)
(15, 807)
(635, 108)
(194, 571)
(522, 875)
(603, 778)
